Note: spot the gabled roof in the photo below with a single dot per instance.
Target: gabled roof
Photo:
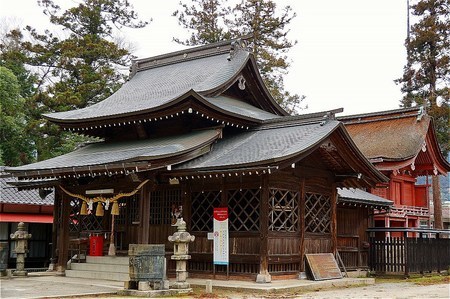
(11, 195)
(396, 139)
(159, 82)
(284, 141)
(358, 196)
(122, 157)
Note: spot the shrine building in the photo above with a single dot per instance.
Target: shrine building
(194, 130)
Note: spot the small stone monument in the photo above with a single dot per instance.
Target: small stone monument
(21, 237)
(181, 240)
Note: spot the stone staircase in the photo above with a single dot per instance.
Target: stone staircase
(101, 267)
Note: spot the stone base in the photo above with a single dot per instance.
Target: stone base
(180, 285)
(20, 273)
(154, 293)
(263, 278)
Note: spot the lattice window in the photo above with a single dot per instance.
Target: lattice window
(79, 223)
(244, 210)
(283, 210)
(128, 210)
(318, 213)
(162, 204)
(202, 210)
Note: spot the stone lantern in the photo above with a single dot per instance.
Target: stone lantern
(181, 240)
(21, 237)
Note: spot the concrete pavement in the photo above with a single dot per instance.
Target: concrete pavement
(49, 285)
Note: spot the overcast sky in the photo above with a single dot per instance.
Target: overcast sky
(348, 52)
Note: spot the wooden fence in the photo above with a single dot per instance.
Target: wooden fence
(416, 251)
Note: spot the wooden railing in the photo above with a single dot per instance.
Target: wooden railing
(427, 252)
(402, 211)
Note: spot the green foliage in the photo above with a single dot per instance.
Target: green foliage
(15, 148)
(204, 20)
(73, 70)
(426, 76)
(211, 21)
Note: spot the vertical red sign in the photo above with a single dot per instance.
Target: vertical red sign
(220, 223)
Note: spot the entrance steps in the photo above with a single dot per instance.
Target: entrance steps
(114, 268)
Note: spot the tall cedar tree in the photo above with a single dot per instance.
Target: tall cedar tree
(79, 70)
(204, 21)
(211, 20)
(426, 75)
(13, 143)
(18, 146)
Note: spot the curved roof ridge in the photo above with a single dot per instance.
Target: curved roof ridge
(188, 54)
(387, 114)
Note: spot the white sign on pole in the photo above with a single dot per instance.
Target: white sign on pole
(221, 236)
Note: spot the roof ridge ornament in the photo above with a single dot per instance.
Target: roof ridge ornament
(326, 118)
(237, 45)
(421, 113)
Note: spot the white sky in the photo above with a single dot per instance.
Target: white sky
(348, 52)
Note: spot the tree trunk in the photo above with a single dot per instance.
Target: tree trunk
(437, 202)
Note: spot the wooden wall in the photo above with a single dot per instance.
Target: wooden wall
(352, 238)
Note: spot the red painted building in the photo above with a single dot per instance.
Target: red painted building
(402, 145)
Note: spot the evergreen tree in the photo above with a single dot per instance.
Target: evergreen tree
(426, 75)
(211, 21)
(80, 69)
(14, 146)
(204, 21)
(15, 115)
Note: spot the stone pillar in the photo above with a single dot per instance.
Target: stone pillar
(181, 240)
(21, 237)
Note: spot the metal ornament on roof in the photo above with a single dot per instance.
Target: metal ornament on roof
(86, 201)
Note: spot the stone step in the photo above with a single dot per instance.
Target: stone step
(114, 268)
(100, 267)
(112, 260)
(98, 275)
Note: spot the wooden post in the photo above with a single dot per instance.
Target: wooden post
(144, 212)
(405, 242)
(302, 230)
(264, 275)
(63, 244)
(56, 213)
(333, 228)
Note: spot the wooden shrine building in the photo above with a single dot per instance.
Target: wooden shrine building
(197, 129)
(402, 145)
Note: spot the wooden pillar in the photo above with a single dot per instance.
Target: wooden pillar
(264, 275)
(333, 228)
(144, 215)
(56, 213)
(302, 228)
(63, 243)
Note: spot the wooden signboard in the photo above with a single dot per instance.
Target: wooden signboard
(323, 266)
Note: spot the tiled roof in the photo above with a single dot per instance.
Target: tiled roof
(124, 152)
(391, 135)
(152, 88)
(354, 195)
(241, 108)
(11, 195)
(263, 145)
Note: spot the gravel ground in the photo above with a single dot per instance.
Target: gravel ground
(385, 291)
